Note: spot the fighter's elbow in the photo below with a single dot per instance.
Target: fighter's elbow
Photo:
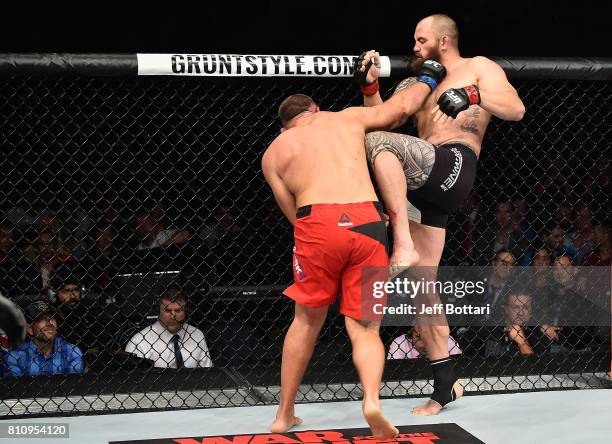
(514, 113)
(519, 112)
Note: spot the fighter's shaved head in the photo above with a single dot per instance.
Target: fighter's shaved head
(442, 25)
(294, 105)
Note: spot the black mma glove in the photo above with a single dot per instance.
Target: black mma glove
(454, 100)
(431, 73)
(12, 321)
(366, 88)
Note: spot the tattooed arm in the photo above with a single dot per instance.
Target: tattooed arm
(404, 84)
(376, 99)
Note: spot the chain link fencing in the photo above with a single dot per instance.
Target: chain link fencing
(119, 192)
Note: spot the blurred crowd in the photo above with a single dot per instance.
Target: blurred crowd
(74, 275)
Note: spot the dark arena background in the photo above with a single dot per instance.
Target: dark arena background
(122, 178)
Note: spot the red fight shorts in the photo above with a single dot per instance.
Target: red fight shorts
(335, 244)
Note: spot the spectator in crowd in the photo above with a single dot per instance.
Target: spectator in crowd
(503, 235)
(412, 346)
(74, 224)
(103, 258)
(522, 237)
(43, 255)
(462, 234)
(553, 241)
(44, 353)
(505, 225)
(67, 287)
(569, 313)
(222, 224)
(553, 187)
(86, 323)
(152, 233)
(171, 342)
(519, 309)
(563, 217)
(48, 222)
(24, 208)
(597, 183)
(600, 256)
(580, 240)
(498, 284)
(229, 241)
(519, 335)
(542, 260)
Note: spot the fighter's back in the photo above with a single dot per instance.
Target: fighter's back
(324, 160)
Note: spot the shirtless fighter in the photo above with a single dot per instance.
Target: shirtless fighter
(318, 172)
(435, 171)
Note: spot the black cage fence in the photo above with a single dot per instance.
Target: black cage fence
(120, 190)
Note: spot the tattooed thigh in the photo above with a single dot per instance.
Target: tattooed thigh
(416, 155)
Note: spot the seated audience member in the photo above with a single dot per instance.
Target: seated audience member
(553, 241)
(86, 323)
(507, 233)
(222, 225)
(462, 234)
(75, 223)
(170, 342)
(413, 347)
(553, 187)
(44, 255)
(581, 240)
(563, 217)
(103, 259)
(44, 353)
(516, 336)
(600, 256)
(522, 237)
(570, 315)
(151, 232)
(542, 260)
(498, 284)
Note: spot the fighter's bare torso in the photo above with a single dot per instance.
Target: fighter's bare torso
(469, 126)
(324, 161)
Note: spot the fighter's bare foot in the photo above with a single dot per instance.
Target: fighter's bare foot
(431, 407)
(381, 428)
(283, 425)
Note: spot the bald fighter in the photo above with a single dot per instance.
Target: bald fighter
(436, 171)
(318, 172)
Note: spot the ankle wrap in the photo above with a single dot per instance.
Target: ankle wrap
(444, 378)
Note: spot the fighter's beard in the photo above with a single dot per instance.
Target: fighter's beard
(415, 62)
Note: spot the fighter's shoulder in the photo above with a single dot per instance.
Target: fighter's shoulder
(480, 63)
(277, 152)
(270, 153)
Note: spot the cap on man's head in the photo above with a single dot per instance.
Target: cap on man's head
(37, 309)
(294, 105)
